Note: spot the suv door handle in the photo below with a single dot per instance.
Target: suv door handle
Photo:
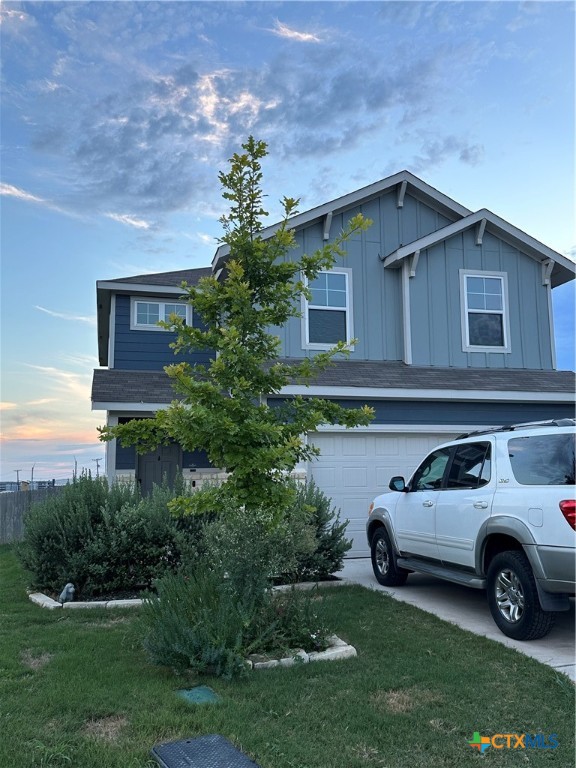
(428, 503)
(481, 505)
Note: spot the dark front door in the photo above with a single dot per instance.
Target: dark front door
(158, 466)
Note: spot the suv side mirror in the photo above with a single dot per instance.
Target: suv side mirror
(397, 484)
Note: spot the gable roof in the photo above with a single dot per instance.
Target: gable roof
(413, 184)
(160, 283)
(562, 268)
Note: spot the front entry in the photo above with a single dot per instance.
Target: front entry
(157, 467)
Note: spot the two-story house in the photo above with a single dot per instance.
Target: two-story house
(452, 314)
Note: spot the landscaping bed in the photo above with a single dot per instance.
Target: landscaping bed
(77, 690)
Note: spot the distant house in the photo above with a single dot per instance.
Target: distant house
(452, 310)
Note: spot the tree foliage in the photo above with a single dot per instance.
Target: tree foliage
(223, 406)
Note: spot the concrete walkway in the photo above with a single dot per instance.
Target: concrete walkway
(468, 608)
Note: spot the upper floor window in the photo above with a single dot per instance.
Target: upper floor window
(485, 325)
(327, 317)
(147, 313)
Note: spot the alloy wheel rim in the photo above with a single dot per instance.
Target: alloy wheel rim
(382, 557)
(509, 596)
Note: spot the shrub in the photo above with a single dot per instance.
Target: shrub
(101, 539)
(319, 522)
(210, 616)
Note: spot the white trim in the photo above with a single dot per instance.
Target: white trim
(480, 231)
(348, 310)
(401, 194)
(551, 325)
(112, 331)
(327, 225)
(547, 267)
(110, 451)
(406, 323)
(129, 407)
(385, 393)
(135, 326)
(414, 263)
(517, 237)
(465, 311)
(411, 428)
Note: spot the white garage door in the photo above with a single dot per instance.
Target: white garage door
(353, 468)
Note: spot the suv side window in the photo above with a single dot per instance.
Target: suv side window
(428, 476)
(470, 467)
(543, 459)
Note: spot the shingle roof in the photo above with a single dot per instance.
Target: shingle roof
(120, 386)
(191, 276)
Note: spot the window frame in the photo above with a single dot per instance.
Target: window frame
(135, 300)
(466, 311)
(308, 305)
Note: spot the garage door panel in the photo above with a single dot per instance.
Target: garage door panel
(354, 446)
(354, 477)
(325, 478)
(354, 468)
(389, 447)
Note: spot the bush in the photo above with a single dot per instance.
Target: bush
(101, 539)
(314, 516)
(209, 617)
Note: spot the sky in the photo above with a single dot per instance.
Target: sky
(117, 117)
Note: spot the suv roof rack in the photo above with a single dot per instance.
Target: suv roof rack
(525, 425)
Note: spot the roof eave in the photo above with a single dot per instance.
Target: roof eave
(563, 271)
(417, 186)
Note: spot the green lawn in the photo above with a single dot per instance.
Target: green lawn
(76, 690)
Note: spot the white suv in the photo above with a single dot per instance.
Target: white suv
(493, 510)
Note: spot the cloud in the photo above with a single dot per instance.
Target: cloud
(139, 119)
(131, 221)
(11, 191)
(434, 151)
(5, 406)
(89, 319)
(283, 30)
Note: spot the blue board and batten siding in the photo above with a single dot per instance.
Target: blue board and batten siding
(141, 350)
(435, 299)
(436, 309)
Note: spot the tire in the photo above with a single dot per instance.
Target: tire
(384, 565)
(513, 598)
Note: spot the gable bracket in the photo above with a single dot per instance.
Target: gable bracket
(401, 193)
(414, 263)
(480, 231)
(547, 267)
(327, 225)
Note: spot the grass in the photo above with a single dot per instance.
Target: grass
(76, 690)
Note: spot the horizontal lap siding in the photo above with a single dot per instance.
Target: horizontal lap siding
(146, 350)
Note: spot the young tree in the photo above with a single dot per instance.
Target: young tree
(223, 407)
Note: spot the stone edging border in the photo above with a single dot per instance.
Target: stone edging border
(337, 649)
(47, 602)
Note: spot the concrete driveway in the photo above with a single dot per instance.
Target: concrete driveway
(468, 608)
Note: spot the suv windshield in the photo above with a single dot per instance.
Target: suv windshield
(543, 459)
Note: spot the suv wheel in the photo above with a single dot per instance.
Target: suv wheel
(384, 561)
(513, 598)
